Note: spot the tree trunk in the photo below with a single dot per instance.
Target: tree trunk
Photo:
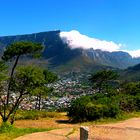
(39, 102)
(11, 76)
(36, 105)
(15, 107)
(4, 119)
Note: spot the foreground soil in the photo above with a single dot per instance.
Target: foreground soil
(125, 130)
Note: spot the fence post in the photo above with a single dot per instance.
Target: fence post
(84, 133)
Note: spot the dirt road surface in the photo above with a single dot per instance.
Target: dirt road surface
(125, 130)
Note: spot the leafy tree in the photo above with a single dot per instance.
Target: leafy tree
(43, 91)
(40, 92)
(25, 81)
(31, 80)
(103, 79)
(13, 53)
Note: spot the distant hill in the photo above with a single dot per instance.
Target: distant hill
(60, 57)
(134, 68)
(131, 73)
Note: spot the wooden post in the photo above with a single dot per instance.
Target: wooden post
(84, 133)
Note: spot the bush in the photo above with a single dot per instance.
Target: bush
(128, 103)
(90, 108)
(93, 111)
(111, 110)
(113, 103)
(132, 88)
(77, 109)
(137, 101)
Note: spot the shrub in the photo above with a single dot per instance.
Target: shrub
(77, 109)
(137, 101)
(132, 88)
(94, 111)
(90, 108)
(111, 110)
(128, 103)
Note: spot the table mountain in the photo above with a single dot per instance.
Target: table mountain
(59, 56)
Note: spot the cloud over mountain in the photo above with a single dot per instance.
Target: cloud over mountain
(77, 40)
(134, 53)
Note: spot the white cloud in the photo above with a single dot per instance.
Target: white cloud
(134, 53)
(76, 40)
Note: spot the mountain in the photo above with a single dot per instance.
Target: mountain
(134, 68)
(115, 59)
(131, 73)
(58, 56)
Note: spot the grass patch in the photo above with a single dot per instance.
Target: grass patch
(8, 132)
(35, 114)
(121, 117)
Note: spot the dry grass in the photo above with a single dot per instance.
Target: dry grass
(59, 121)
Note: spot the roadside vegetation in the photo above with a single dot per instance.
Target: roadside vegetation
(112, 99)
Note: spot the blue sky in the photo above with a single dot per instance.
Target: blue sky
(112, 20)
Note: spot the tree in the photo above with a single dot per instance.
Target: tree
(102, 79)
(42, 91)
(14, 52)
(26, 81)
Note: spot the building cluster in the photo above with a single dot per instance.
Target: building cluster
(67, 89)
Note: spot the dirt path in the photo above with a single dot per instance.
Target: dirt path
(60, 134)
(126, 130)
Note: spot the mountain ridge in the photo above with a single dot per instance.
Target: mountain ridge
(57, 54)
